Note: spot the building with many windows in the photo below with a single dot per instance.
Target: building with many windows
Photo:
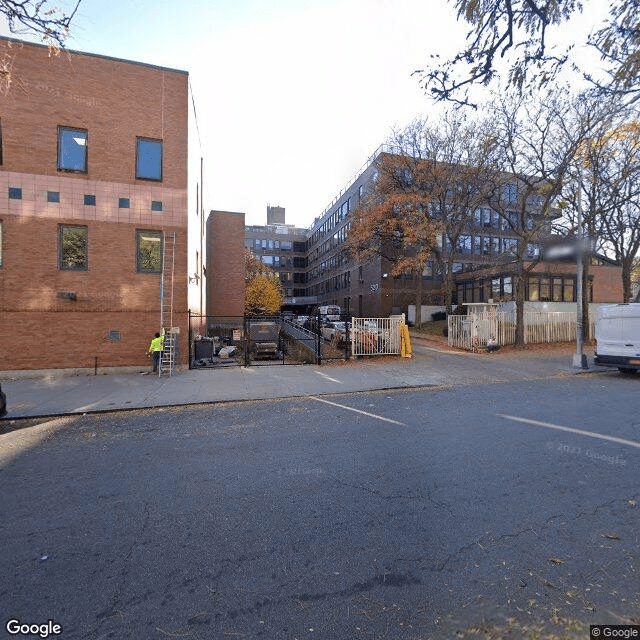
(93, 192)
(481, 264)
(282, 247)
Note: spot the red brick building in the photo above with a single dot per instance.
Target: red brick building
(93, 185)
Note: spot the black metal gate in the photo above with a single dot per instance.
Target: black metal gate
(252, 341)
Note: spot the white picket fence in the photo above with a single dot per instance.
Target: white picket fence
(474, 331)
(376, 336)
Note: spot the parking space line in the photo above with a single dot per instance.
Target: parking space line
(324, 375)
(364, 413)
(590, 434)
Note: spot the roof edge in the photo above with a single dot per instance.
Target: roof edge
(96, 55)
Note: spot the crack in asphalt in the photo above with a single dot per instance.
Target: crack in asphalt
(484, 543)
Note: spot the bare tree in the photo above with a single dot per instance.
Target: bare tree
(34, 17)
(425, 196)
(516, 33)
(538, 144)
(607, 173)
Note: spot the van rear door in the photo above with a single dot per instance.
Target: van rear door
(609, 331)
(631, 334)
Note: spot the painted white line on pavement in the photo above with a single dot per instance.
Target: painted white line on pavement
(364, 413)
(591, 434)
(448, 353)
(324, 375)
(87, 407)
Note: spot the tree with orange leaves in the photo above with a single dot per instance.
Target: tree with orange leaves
(425, 195)
(263, 291)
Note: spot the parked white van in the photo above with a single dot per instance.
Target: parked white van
(618, 336)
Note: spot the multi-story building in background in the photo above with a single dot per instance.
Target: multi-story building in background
(481, 266)
(282, 247)
(93, 187)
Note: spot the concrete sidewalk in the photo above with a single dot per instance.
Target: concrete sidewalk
(430, 366)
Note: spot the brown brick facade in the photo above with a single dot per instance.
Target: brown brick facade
(225, 264)
(116, 310)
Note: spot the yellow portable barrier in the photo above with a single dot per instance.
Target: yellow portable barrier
(405, 342)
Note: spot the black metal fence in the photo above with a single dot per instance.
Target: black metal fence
(250, 341)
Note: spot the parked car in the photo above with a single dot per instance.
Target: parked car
(336, 330)
(300, 320)
(329, 312)
(311, 324)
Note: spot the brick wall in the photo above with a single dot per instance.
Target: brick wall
(607, 284)
(225, 264)
(110, 296)
(115, 101)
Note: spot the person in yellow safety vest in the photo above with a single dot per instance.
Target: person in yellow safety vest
(155, 350)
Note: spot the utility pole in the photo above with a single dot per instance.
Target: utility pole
(202, 246)
(579, 358)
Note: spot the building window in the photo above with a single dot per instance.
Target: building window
(557, 290)
(510, 245)
(464, 244)
(114, 336)
(15, 193)
(545, 289)
(53, 196)
(156, 205)
(73, 247)
(72, 149)
(90, 200)
(533, 251)
(510, 193)
(148, 251)
(567, 291)
(148, 159)
(123, 203)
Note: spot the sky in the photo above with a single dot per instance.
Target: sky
(291, 96)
